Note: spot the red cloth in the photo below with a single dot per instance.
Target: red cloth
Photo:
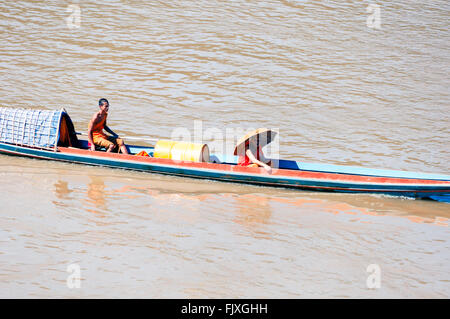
(244, 160)
(142, 153)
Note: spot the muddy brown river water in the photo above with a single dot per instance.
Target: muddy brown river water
(345, 82)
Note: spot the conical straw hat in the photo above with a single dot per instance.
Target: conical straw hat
(262, 135)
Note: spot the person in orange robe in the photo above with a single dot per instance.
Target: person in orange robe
(96, 135)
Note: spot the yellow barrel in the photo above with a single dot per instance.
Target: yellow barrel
(182, 151)
(163, 148)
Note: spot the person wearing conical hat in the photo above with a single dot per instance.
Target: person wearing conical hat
(249, 149)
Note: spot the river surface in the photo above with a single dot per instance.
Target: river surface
(343, 82)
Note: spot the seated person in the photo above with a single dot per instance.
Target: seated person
(251, 155)
(96, 135)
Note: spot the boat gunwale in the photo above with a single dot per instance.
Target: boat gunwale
(235, 169)
(232, 168)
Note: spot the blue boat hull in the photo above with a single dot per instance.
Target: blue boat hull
(305, 176)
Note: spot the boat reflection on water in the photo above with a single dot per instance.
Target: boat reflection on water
(62, 190)
(249, 209)
(96, 196)
(252, 211)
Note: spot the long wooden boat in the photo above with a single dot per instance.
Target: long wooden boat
(291, 174)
